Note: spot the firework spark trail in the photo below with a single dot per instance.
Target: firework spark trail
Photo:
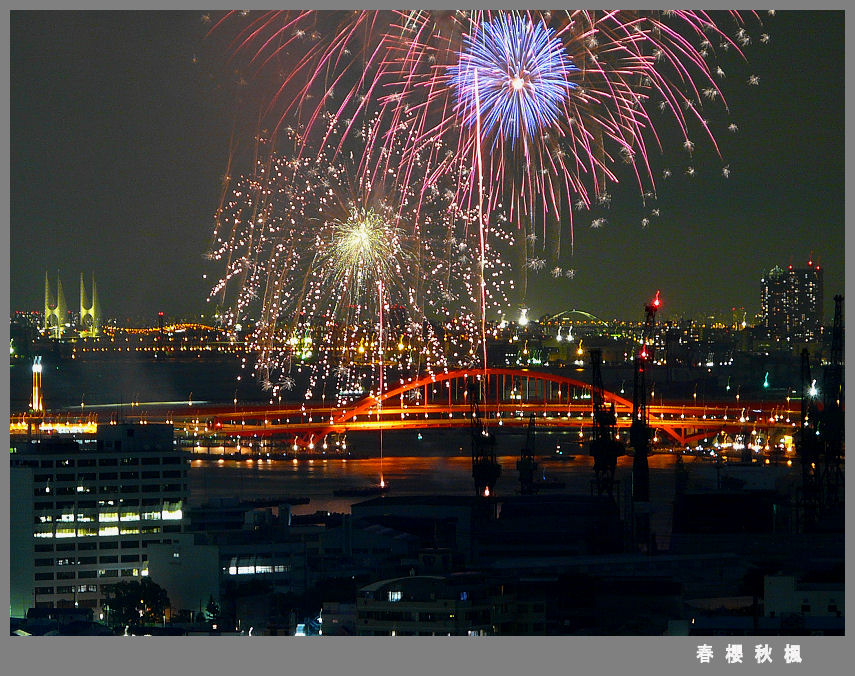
(398, 83)
(308, 241)
(610, 66)
(627, 61)
(481, 227)
(524, 72)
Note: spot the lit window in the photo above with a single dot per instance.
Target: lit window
(108, 530)
(108, 516)
(65, 532)
(394, 595)
(172, 512)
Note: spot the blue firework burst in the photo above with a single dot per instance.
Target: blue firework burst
(516, 73)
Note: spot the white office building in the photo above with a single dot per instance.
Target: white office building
(82, 513)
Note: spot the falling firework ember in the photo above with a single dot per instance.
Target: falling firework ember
(305, 242)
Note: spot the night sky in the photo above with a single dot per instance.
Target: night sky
(120, 126)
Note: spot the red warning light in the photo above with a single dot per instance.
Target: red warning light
(791, 267)
(160, 314)
(656, 301)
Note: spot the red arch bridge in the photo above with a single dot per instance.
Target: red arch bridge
(509, 397)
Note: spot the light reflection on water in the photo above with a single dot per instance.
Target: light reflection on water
(406, 475)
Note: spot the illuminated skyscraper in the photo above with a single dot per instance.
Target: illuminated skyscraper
(791, 303)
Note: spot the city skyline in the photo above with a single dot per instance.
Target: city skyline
(429, 323)
(148, 178)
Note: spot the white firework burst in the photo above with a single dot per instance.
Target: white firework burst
(536, 264)
(598, 223)
(556, 272)
(733, 127)
(754, 80)
(570, 274)
(725, 171)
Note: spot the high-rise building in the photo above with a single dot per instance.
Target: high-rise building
(83, 512)
(791, 303)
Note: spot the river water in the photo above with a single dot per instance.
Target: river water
(452, 475)
(406, 475)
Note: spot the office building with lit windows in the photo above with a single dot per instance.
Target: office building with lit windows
(83, 512)
(791, 303)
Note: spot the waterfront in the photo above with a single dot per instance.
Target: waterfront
(67, 382)
(451, 475)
